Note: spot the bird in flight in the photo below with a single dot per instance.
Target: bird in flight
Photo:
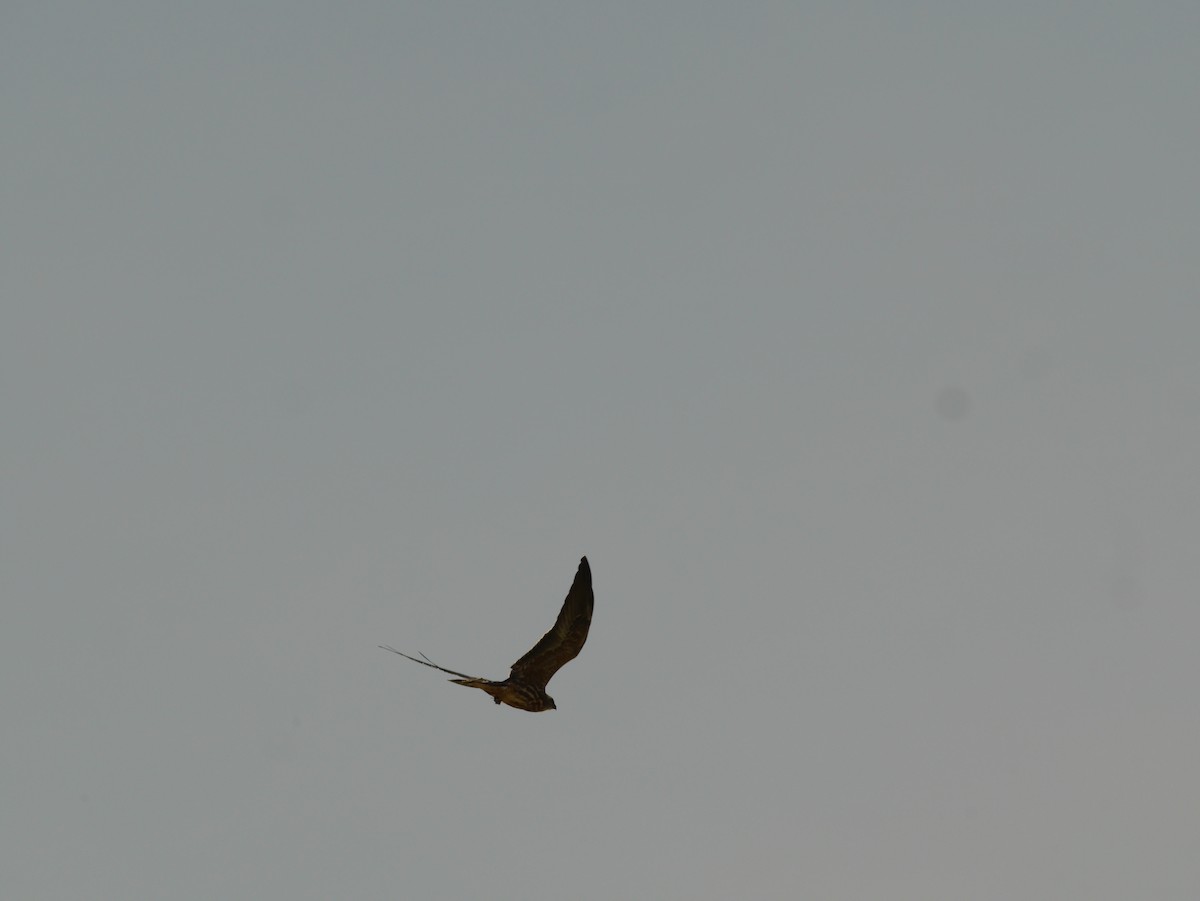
(525, 687)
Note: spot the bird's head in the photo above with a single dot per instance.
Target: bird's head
(550, 705)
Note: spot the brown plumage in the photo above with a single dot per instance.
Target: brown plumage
(525, 687)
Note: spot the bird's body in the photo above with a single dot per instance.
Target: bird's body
(515, 694)
(525, 687)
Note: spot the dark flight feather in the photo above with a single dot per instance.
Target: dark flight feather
(564, 641)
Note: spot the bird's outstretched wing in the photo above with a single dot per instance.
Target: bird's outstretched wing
(428, 662)
(563, 642)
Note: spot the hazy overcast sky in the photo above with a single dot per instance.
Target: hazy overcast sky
(856, 344)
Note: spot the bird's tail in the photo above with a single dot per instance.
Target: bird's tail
(474, 683)
(492, 688)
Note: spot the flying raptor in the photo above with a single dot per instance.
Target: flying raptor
(525, 687)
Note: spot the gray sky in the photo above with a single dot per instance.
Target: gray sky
(855, 344)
